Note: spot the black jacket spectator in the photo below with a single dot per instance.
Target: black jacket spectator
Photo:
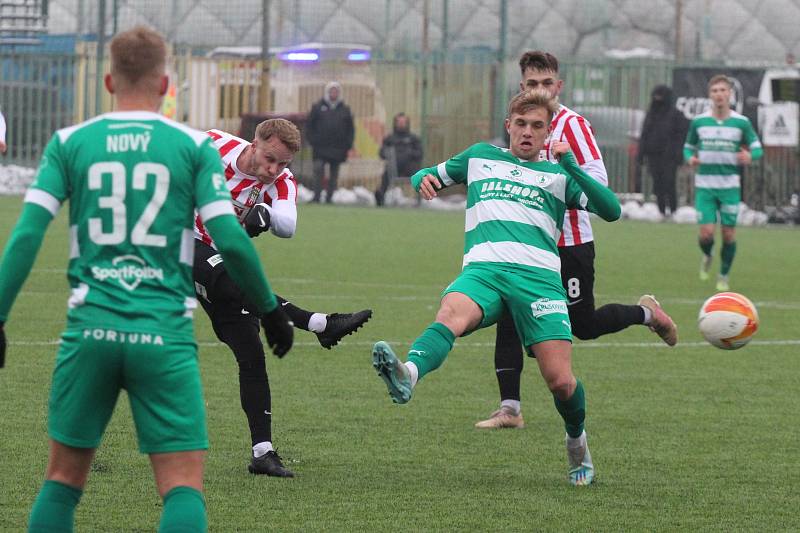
(330, 129)
(661, 145)
(402, 151)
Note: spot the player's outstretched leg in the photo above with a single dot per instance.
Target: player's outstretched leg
(393, 372)
(660, 322)
(340, 325)
(581, 468)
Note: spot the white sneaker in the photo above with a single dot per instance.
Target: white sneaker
(722, 283)
(581, 468)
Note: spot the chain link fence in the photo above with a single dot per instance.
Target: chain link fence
(454, 96)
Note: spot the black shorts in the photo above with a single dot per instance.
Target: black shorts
(217, 293)
(577, 277)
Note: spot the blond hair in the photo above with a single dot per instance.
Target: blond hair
(284, 130)
(529, 99)
(720, 78)
(138, 56)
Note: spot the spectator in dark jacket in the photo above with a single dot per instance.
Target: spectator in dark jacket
(330, 131)
(402, 151)
(661, 145)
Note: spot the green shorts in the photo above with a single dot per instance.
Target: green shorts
(537, 303)
(710, 201)
(161, 376)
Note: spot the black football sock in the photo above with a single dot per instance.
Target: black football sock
(508, 358)
(300, 317)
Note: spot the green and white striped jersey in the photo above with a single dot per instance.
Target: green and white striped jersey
(515, 208)
(716, 143)
(133, 180)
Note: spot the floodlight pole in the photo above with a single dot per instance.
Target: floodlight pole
(101, 45)
(678, 30)
(264, 90)
(426, 15)
(500, 95)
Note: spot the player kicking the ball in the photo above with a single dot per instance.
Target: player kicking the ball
(264, 195)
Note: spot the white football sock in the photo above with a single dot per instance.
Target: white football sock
(514, 405)
(317, 323)
(413, 373)
(648, 314)
(262, 448)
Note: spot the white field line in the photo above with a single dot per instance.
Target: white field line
(469, 344)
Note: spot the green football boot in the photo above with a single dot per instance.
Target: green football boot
(393, 372)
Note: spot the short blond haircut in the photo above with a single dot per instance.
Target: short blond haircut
(531, 99)
(284, 130)
(138, 55)
(720, 78)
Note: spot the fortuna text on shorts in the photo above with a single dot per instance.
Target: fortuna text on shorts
(110, 335)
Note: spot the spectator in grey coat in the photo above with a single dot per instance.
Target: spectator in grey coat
(330, 132)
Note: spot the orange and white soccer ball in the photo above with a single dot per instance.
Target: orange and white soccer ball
(728, 320)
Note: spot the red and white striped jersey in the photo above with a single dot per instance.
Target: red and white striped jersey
(280, 196)
(569, 126)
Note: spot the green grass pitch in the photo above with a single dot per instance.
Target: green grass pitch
(686, 438)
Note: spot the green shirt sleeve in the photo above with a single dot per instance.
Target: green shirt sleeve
(20, 253)
(596, 197)
(42, 202)
(51, 176)
(454, 170)
(213, 201)
(690, 146)
(752, 142)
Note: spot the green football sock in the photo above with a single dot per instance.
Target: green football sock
(431, 348)
(727, 254)
(54, 508)
(184, 511)
(706, 246)
(573, 411)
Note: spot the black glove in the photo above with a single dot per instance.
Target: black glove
(279, 331)
(257, 220)
(2, 345)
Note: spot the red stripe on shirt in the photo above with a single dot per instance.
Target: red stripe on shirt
(557, 118)
(283, 189)
(575, 224)
(573, 144)
(268, 198)
(589, 138)
(561, 241)
(214, 135)
(229, 172)
(227, 147)
(245, 183)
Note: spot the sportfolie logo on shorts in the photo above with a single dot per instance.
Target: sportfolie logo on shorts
(546, 306)
(128, 270)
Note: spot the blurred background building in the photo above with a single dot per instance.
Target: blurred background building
(449, 64)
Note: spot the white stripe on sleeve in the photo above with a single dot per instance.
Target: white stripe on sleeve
(43, 199)
(446, 179)
(215, 209)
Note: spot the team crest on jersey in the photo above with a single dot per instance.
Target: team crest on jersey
(128, 270)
